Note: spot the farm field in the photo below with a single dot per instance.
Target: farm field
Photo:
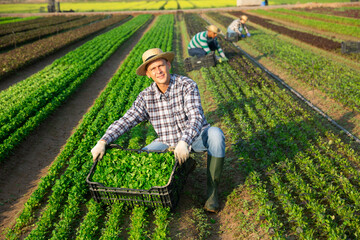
(118, 6)
(135, 5)
(289, 173)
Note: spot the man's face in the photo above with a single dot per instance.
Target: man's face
(159, 71)
(242, 21)
(212, 34)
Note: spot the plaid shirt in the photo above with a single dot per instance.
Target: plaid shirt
(175, 115)
(236, 25)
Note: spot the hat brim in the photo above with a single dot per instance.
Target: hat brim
(207, 28)
(141, 70)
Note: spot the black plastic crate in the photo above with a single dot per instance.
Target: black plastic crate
(188, 64)
(350, 47)
(157, 196)
(195, 63)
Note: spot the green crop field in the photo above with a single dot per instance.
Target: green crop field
(287, 100)
(100, 6)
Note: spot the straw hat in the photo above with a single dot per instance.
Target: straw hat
(244, 17)
(213, 28)
(152, 55)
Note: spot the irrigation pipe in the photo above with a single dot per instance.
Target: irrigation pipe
(298, 94)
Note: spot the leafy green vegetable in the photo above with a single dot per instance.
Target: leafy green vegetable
(125, 169)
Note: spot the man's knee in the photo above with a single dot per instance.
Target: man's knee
(216, 141)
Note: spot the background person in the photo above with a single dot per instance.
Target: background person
(238, 26)
(172, 104)
(204, 42)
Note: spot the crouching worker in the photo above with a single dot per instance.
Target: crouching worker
(205, 42)
(172, 105)
(238, 26)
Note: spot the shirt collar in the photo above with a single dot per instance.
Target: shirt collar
(159, 94)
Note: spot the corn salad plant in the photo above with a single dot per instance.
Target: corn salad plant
(294, 165)
(26, 104)
(62, 196)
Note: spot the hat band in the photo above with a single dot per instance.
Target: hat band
(150, 57)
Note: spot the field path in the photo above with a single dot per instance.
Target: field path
(20, 173)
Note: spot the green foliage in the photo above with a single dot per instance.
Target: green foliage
(63, 191)
(162, 224)
(202, 223)
(126, 169)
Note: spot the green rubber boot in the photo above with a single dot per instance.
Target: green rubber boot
(214, 169)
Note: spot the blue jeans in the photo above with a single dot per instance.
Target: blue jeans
(211, 139)
(229, 30)
(199, 52)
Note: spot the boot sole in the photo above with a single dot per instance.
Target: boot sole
(211, 210)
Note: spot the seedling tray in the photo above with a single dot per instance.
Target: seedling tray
(157, 196)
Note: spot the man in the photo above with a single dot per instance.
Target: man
(205, 42)
(238, 26)
(172, 104)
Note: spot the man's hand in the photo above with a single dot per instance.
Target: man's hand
(248, 34)
(98, 150)
(181, 152)
(225, 59)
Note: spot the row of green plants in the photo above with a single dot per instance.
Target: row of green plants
(337, 80)
(302, 174)
(323, 24)
(19, 38)
(34, 23)
(4, 20)
(26, 104)
(271, 129)
(62, 196)
(26, 54)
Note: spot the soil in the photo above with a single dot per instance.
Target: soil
(21, 173)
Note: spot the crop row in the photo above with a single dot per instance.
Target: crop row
(64, 189)
(26, 104)
(270, 128)
(23, 37)
(5, 20)
(35, 23)
(119, 6)
(323, 25)
(301, 173)
(337, 80)
(29, 53)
